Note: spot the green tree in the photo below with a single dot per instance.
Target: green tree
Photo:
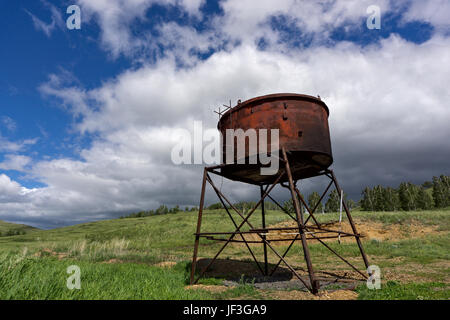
(333, 202)
(313, 200)
(441, 191)
(351, 204)
(368, 199)
(215, 206)
(446, 182)
(427, 184)
(391, 199)
(162, 210)
(424, 199)
(269, 205)
(378, 197)
(407, 193)
(244, 206)
(289, 206)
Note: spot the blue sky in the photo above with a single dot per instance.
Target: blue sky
(28, 57)
(63, 92)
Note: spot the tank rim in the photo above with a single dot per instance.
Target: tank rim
(275, 96)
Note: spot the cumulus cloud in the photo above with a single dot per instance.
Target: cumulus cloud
(6, 145)
(116, 17)
(11, 192)
(15, 162)
(318, 18)
(241, 21)
(435, 12)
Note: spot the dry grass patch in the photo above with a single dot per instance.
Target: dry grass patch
(209, 288)
(371, 230)
(302, 295)
(166, 264)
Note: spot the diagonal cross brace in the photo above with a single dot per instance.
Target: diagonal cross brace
(219, 195)
(262, 238)
(311, 214)
(321, 198)
(240, 226)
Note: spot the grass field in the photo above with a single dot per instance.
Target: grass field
(148, 258)
(10, 229)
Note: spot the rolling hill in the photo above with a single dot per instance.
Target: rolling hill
(10, 229)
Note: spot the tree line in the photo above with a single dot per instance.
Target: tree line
(408, 196)
(163, 209)
(12, 233)
(332, 204)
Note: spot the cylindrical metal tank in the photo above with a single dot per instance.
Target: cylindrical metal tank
(302, 121)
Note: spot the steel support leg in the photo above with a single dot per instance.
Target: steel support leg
(350, 219)
(199, 224)
(263, 214)
(314, 283)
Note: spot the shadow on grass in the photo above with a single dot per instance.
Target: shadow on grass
(232, 270)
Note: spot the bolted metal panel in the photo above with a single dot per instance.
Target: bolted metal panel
(302, 121)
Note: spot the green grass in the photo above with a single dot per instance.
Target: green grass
(8, 229)
(412, 291)
(30, 268)
(149, 239)
(45, 278)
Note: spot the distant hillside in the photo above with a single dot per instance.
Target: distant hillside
(11, 229)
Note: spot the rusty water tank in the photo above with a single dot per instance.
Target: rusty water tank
(302, 121)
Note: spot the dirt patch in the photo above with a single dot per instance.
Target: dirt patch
(166, 264)
(301, 295)
(49, 252)
(210, 288)
(370, 230)
(113, 261)
(284, 294)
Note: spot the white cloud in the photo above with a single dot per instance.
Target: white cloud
(7, 145)
(48, 28)
(8, 123)
(15, 162)
(436, 12)
(116, 17)
(12, 193)
(317, 17)
(191, 6)
(242, 21)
